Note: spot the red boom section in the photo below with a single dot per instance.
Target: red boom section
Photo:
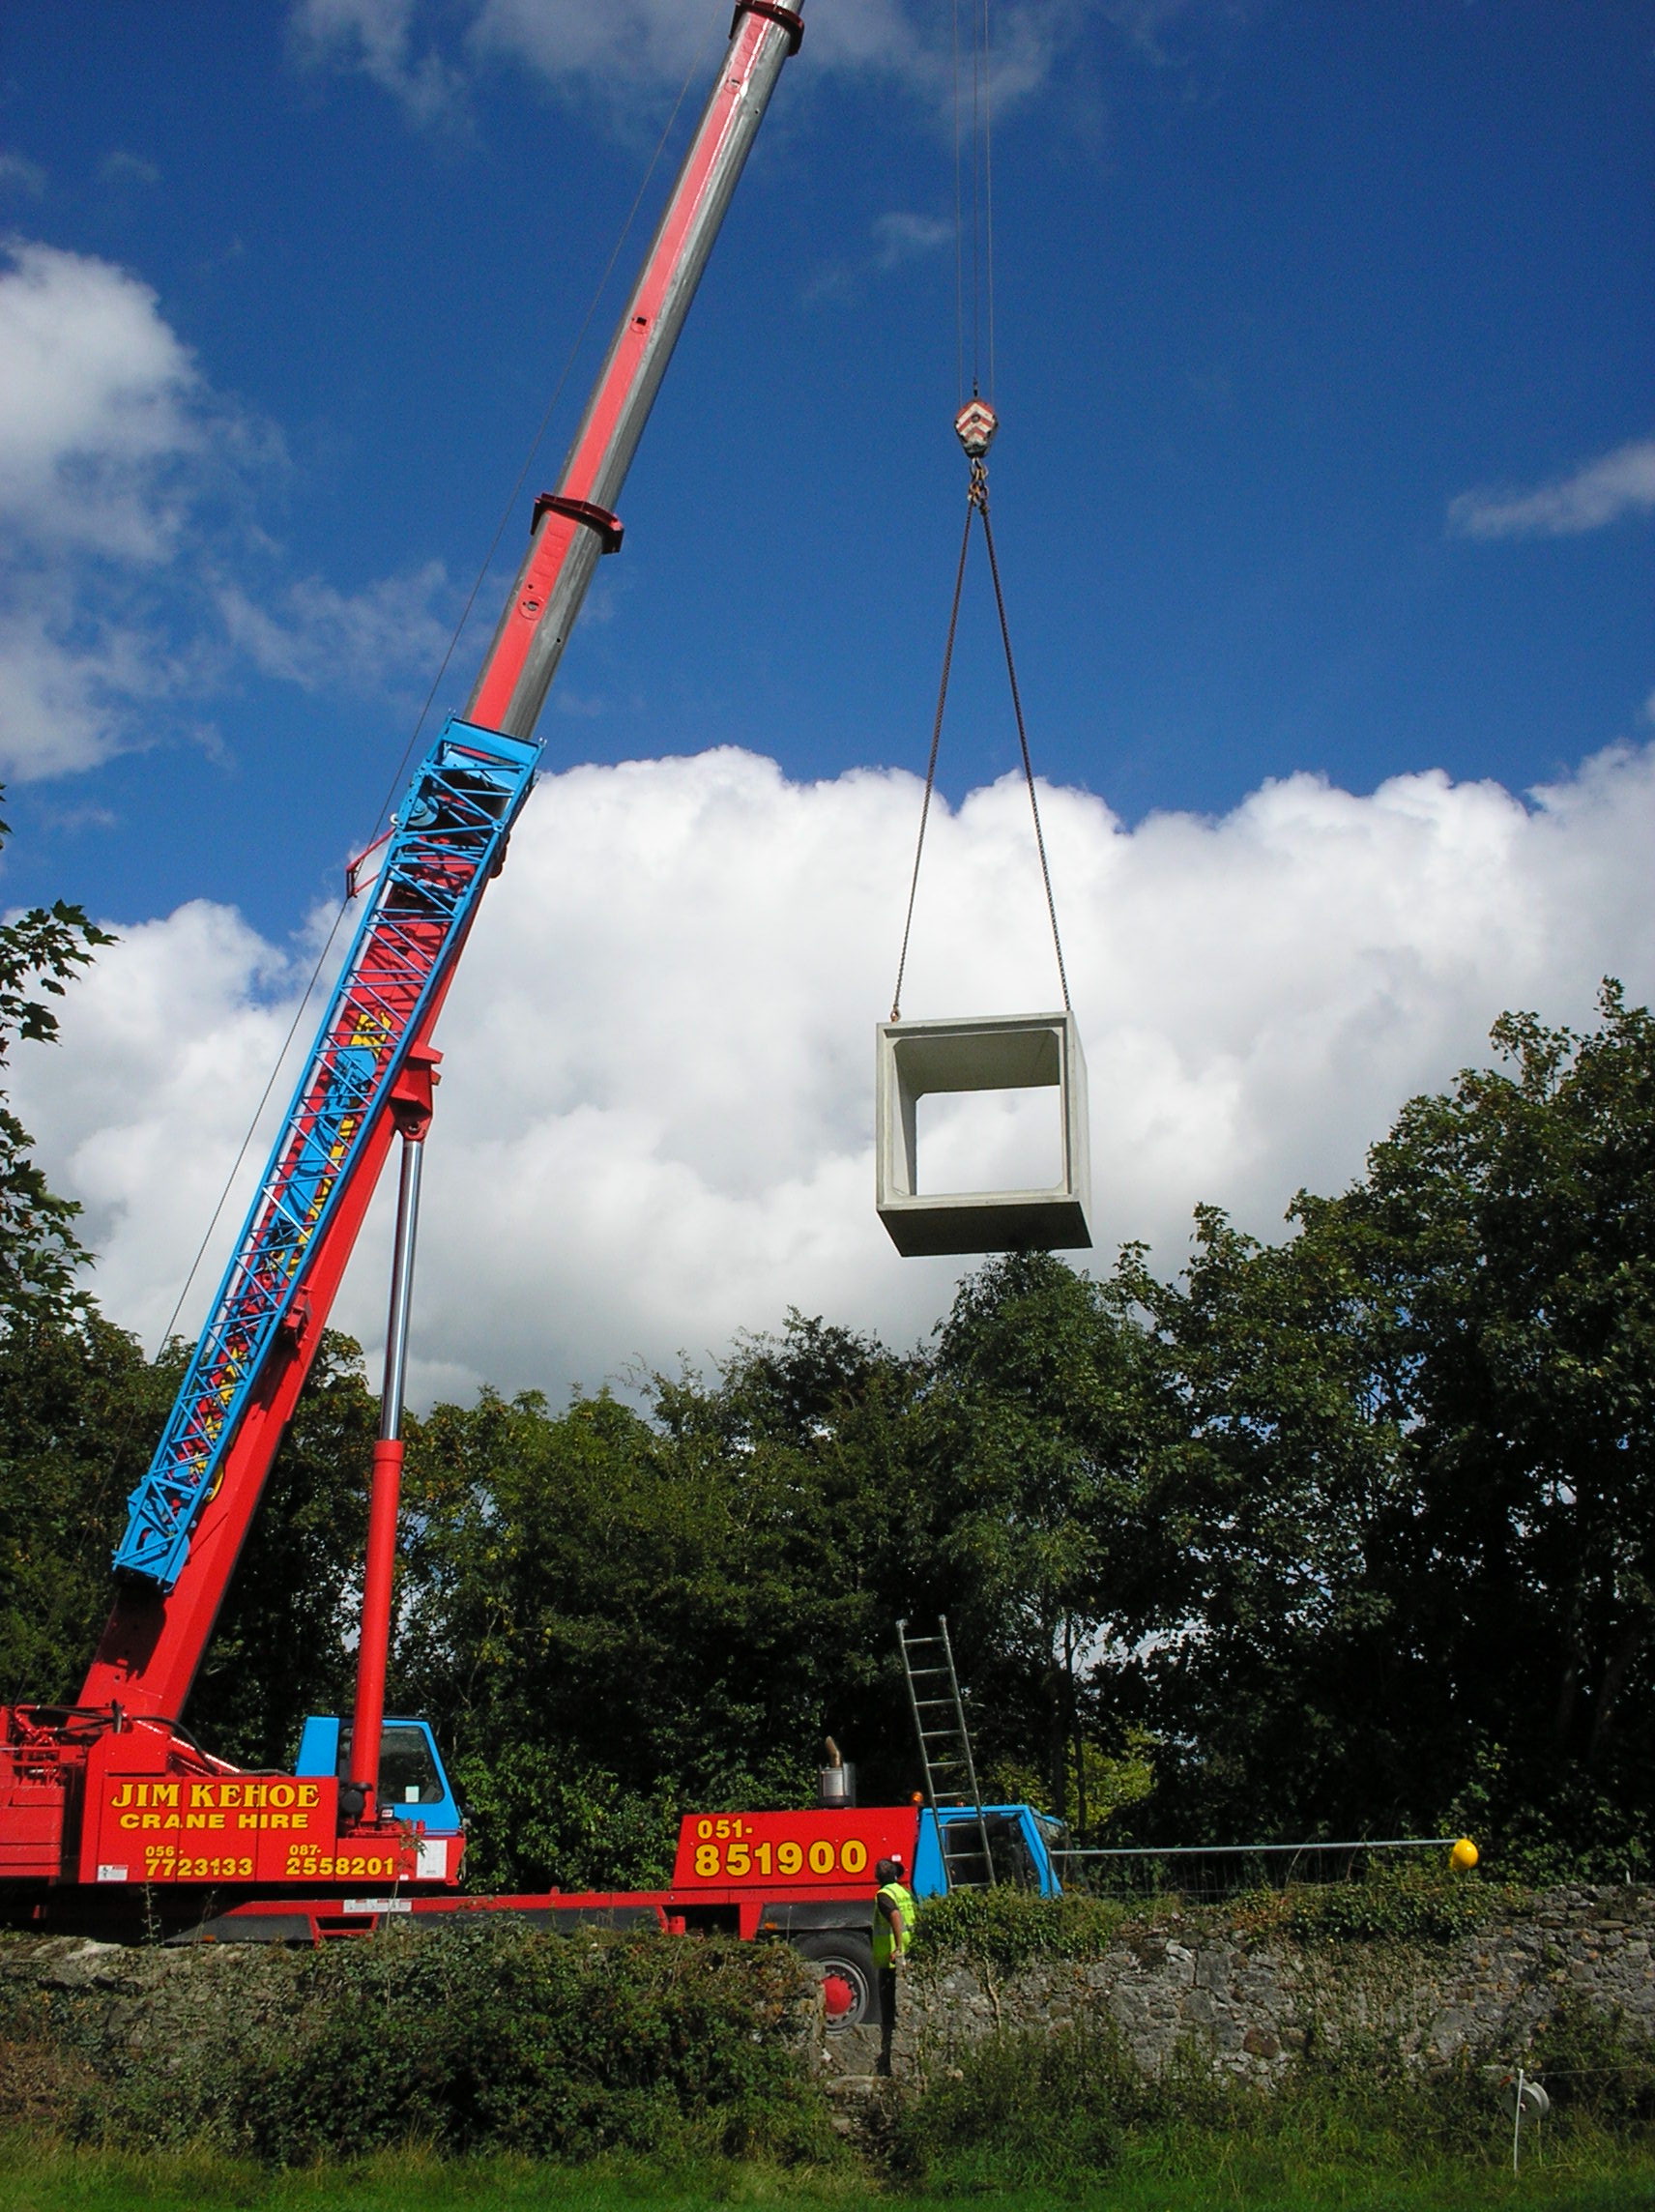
(552, 582)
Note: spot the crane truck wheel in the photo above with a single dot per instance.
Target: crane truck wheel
(850, 1991)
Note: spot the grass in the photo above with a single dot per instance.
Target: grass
(1182, 2174)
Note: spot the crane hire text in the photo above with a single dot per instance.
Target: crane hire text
(205, 1804)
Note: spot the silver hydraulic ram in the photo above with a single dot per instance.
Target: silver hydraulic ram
(413, 1114)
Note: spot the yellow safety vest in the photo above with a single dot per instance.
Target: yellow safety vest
(888, 1944)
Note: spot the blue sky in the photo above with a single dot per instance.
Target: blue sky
(1325, 498)
(1277, 282)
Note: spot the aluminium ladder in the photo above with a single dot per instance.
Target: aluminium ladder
(946, 1754)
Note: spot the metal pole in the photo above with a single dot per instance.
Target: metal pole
(557, 570)
(401, 1289)
(1220, 1851)
(413, 1115)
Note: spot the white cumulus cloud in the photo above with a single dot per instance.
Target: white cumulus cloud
(95, 400)
(101, 431)
(654, 1124)
(379, 38)
(122, 475)
(1600, 492)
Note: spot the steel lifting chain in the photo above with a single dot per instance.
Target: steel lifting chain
(974, 425)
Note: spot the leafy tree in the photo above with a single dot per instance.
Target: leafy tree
(67, 1378)
(79, 1409)
(1516, 1217)
(1265, 1663)
(1417, 1474)
(39, 952)
(1036, 1435)
(603, 1606)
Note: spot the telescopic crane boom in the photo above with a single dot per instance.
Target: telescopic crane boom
(369, 1072)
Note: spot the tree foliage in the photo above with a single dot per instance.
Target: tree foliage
(1418, 1456)
(39, 952)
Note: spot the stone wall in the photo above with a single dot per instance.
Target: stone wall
(1255, 2001)
(1252, 2000)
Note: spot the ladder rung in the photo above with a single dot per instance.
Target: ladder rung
(946, 1754)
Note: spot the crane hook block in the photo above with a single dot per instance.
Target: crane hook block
(974, 425)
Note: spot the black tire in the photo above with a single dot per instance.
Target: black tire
(849, 1958)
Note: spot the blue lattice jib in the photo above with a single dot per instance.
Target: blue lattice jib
(446, 841)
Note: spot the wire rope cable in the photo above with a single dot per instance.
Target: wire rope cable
(975, 425)
(974, 149)
(988, 196)
(976, 504)
(1023, 743)
(959, 221)
(931, 765)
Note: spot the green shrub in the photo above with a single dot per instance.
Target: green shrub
(1010, 1928)
(1406, 1904)
(1594, 2067)
(1034, 2107)
(485, 2035)
(502, 2037)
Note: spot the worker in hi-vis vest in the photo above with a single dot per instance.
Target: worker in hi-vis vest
(893, 1932)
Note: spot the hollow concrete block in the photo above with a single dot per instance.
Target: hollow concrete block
(996, 1052)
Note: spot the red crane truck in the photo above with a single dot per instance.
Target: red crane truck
(111, 1815)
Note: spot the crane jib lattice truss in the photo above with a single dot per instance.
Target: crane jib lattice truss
(448, 839)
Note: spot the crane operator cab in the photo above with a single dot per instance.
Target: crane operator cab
(413, 1783)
